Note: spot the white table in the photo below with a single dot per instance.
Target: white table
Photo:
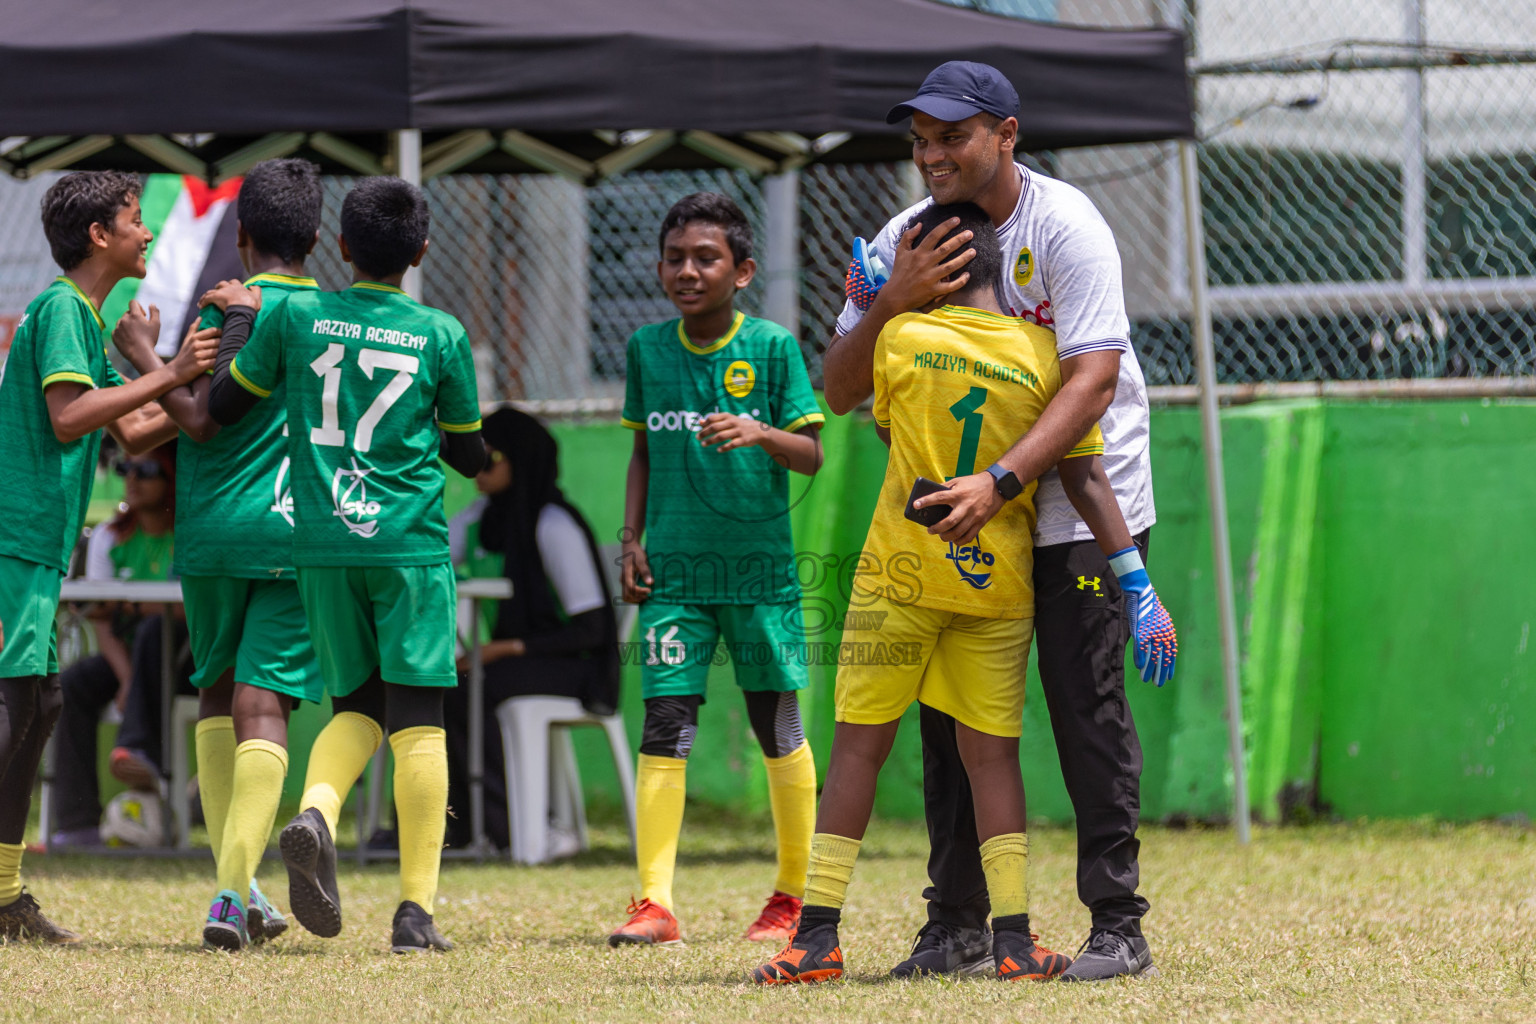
(169, 592)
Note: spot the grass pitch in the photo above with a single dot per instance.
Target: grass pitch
(1385, 922)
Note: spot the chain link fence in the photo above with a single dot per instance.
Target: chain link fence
(25, 265)
(1371, 224)
(551, 278)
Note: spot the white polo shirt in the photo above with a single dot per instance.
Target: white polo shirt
(1061, 270)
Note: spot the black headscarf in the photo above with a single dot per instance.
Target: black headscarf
(509, 525)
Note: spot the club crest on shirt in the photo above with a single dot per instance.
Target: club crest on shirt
(1024, 267)
(971, 555)
(740, 379)
(350, 496)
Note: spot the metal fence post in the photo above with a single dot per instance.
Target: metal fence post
(407, 147)
(781, 269)
(1215, 480)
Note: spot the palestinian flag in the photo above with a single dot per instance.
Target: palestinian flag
(193, 250)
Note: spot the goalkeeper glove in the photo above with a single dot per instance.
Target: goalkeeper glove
(866, 274)
(1157, 645)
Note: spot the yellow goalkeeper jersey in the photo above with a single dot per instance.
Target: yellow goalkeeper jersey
(957, 387)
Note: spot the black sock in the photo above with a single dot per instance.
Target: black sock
(811, 917)
(1011, 923)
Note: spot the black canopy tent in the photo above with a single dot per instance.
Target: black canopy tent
(584, 88)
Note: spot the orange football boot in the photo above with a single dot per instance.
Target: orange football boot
(812, 955)
(649, 924)
(1019, 959)
(777, 921)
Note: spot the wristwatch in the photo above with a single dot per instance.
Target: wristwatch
(1008, 485)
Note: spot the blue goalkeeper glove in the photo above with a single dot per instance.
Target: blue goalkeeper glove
(1157, 645)
(866, 275)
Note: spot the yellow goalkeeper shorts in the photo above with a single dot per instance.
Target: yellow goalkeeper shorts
(969, 667)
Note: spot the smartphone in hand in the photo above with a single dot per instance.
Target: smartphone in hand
(931, 515)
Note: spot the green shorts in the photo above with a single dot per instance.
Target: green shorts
(678, 643)
(29, 604)
(256, 626)
(398, 619)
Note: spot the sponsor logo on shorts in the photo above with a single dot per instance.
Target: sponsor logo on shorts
(971, 555)
(740, 378)
(1090, 582)
(349, 493)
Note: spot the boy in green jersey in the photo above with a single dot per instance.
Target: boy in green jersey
(722, 410)
(234, 530)
(372, 377)
(57, 394)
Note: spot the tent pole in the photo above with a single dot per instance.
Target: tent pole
(1215, 480)
(782, 260)
(407, 146)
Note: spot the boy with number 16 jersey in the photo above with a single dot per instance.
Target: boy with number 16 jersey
(371, 376)
(722, 411)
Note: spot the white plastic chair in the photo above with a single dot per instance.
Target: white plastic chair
(540, 761)
(541, 770)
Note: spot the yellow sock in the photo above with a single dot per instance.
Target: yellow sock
(339, 755)
(10, 872)
(260, 767)
(215, 775)
(792, 794)
(421, 809)
(831, 868)
(1005, 862)
(661, 784)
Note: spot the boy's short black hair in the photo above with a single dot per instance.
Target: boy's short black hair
(75, 202)
(986, 266)
(384, 221)
(279, 207)
(711, 208)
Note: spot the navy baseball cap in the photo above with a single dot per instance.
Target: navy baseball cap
(959, 89)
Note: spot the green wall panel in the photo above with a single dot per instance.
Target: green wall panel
(1384, 630)
(1430, 693)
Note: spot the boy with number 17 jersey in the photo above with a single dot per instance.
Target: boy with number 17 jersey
(372, 376)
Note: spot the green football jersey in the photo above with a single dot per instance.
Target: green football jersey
(371, 375)
(234, 508)
(717, 523)
(45, 485)
(143, 557)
